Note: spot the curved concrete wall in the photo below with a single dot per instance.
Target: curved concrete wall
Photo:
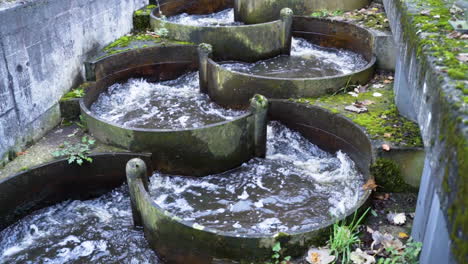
(234, 89)
(260, 11)
(58, 181)
(196, 152)
(43, 44)
(178, 241)
(246, 42)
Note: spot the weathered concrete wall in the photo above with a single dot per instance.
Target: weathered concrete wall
(43, 45)
(426, 94)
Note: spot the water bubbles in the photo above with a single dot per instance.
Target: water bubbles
(174, 104)
(297, 186)
(307, 60)
(219, 19)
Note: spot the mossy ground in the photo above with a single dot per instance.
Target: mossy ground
(431, 18)
(382, 122)
(388, 176)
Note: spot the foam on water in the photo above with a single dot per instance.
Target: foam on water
(92, 231)
(297, 186)
(219, 19)
(307, 60)
(174, 104)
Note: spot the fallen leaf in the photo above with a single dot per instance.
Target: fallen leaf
(369, 230)
(367, 102)
(426, 12)
(386, 240)
(360, 257)
(370, 185)
(386, 147)
(384, 197)
(355, 109)
(396, 219)
(463, 57)
(21, 153)
(403, 235)
(320, 256)
(387, 135)
(387, 81)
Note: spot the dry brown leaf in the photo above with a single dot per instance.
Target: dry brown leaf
(384, 197)
(368, 102)
(370, 185)
(21, 153)
(387, 135)
(386, 147)
(387, 81)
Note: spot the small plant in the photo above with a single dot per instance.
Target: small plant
(410, 255)
(344, 237)
(162, 32)
(76, 152)
(75, 93)
(276, 257)
(82, 123)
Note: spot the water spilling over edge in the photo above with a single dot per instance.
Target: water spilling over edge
(218, 19)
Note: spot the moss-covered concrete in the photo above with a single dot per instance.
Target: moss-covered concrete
(247, 43)
(437, 85)
(388, 176)
(382, 121)
(141, 18)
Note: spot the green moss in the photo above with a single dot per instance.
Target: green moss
(434, 23)
(455, 181)
(382, 122)
(388, 176)
(78, 92)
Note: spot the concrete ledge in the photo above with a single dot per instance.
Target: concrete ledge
(426, 91)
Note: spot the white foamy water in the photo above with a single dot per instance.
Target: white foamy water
(307, 60)
(175, 104)
(298, 186)
(92, 231)
(218, 19)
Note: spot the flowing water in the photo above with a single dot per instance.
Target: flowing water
(298, 186)
(92, 231)
(219, 19)
(174, 104)
(307, 60)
